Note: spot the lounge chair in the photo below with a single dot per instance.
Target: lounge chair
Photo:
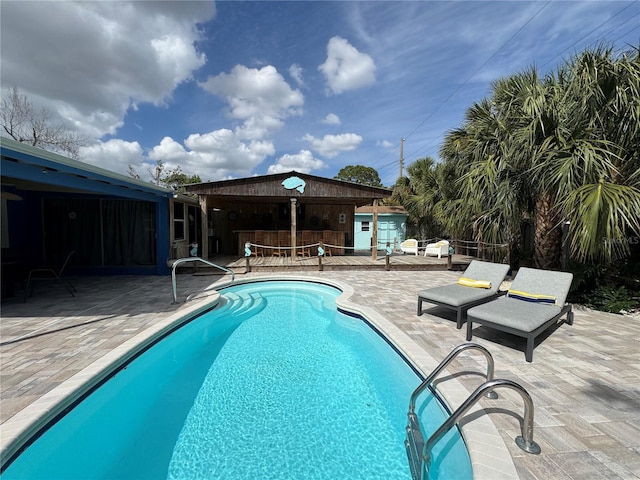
(480, 283)
(437, 249)
(49, 273)
(410, 245)
(534, 303)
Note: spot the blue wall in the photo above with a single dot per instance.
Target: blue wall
(44, 179)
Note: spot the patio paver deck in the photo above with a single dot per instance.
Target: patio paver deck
(584, 380)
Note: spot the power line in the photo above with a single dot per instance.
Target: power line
(428, 117)
(470, 77)
(589, 33)
(424, 147)
(629, 31)
(477, 70)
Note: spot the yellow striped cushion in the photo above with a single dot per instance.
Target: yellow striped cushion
(532, 297)
(470, 282)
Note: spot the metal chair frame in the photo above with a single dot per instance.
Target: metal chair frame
(49, 273)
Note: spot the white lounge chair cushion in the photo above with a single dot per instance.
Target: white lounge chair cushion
(410, 245)
(518, 314)
(441, 243)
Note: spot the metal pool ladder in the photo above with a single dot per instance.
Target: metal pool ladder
(419, 451)
(193, 259)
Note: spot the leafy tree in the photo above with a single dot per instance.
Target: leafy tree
(359, 174)
(594, 171)
(175, 179)
(419, 193)
(22, 123)
(493, 196)
(563, 148)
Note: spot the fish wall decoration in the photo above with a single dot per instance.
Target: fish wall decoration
(294, 182)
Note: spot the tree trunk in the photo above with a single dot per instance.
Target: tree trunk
(547, 237)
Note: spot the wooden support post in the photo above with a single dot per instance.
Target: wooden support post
(204, 222)
(294, 240)
(374, 252)
(321, 249)
(388, 257)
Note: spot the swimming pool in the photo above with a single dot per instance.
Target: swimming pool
(273, 383)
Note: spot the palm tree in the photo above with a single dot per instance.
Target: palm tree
(419, 193)
(492, 197)
(563, 148)
(589, 162)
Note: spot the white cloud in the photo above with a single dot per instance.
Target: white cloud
(330, 145)
(295, 71)
(176, 58)
(89, 62)
(331, 119)
(213, 156)
(170, 152)
(114, 155)
(384, 143)
(303, 162)
(260, 98)
(346, 68)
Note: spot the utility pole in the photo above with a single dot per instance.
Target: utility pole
(401, 157)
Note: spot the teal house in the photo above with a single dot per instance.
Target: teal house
(392, 227)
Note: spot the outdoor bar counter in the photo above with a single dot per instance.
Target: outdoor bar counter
(282, 238)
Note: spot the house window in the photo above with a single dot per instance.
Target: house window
(178, 221)
(365, 226)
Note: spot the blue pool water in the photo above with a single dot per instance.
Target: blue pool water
(275, 383)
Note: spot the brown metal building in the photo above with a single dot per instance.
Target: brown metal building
(284, 209)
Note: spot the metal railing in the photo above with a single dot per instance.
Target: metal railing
(443, 364)
(193, 259)
(524, 441)
(419, 451)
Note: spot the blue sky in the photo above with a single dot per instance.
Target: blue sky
(234, 89)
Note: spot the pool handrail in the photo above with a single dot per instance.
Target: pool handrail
(443, 364)
(419, 451)
(193, 259)
(524, 440)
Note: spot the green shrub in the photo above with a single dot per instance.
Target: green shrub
(611, 298)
